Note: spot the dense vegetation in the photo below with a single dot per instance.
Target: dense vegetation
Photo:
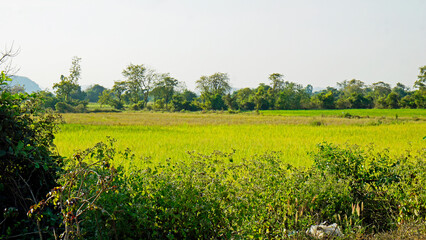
(28, 166)
(144, 88)
(108, 193)
(212, 196)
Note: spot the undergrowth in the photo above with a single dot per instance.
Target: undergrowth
(214, 197)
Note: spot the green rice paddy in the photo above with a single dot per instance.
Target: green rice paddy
(160, 136)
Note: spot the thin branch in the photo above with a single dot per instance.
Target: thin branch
(21, 235)
(6, 59)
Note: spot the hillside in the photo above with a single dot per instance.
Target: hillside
(29, 85)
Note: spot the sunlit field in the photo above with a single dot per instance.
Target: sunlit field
(366, 113)
(161, 136)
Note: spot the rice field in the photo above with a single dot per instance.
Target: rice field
(159, 136)
(396, 113)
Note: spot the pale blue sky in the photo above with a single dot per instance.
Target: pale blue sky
(320, 42)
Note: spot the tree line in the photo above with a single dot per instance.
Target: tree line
(144, 88)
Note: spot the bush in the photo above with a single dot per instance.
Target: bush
(88, 176)
(117, 104)
(63, 107)
(211, 196)
(387, 187)
(159, 104)
(28, 165)
(138, 106)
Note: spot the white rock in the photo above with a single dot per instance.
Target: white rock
(320, 231)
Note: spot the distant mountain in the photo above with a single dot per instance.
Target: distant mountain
(85, 87)
(318, 89)
(29, 85)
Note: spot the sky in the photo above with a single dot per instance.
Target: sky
(317, 42)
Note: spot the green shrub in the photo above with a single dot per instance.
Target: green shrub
(63, 107)
(28, 164)
(386, 186)
(79, 107)
(211, 196)
(138, 106)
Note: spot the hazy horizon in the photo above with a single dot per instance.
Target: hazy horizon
(310, 42)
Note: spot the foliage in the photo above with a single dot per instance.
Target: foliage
(421, 79)
(277, 81)
(145, 86)
(65, 88)
(245, 99)
(214, 196)
(138, 106)
(213, 88)
(28, 166)
(112, 98)
(94, 92)
(385, 186)
(49, 100)
(68, 92)
(63, 107)
(165, 89)
(69, 85)
(184, 101)
(88, 177)
(139, 82)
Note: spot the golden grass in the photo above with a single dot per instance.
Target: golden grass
(198, 118)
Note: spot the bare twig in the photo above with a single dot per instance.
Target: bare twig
(21, 235)
(6, 60)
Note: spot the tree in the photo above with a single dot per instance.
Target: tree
(326, 99)
(64, 88)
(119, 89)
(379, 94)
(420, 95)
(230, 101)
(75, 70)
(217, 83)
(6, 56)
(353, 95)
(69, 85)
(140, 81)
(401, 90)
(212, 88)
(49, 100)
(291, 96)
(115, 96)
(165, 88)
(109, 97)
(189, 95)
(277, 82)
(16, 89)
(381, 89)
(93, 93)
(392, 100)
(69, 92)
(352, 86)
(260, 98)
(245, 99)
(309, 90)
(421, 79)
